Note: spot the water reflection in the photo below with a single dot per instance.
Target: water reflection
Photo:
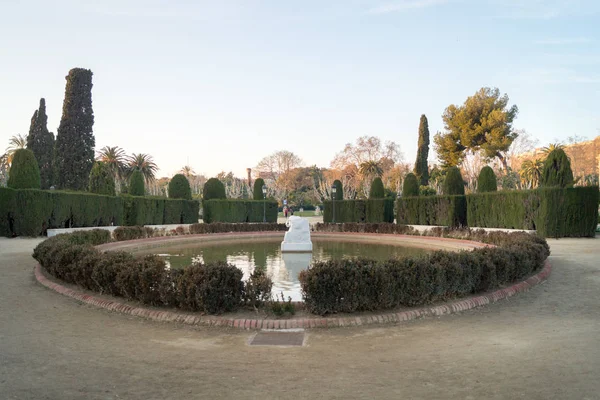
(283, 268)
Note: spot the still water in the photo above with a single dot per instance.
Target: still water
(283, 268)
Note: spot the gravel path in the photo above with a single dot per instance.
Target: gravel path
(544, 344)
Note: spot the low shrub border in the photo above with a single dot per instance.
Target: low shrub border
(71, 248)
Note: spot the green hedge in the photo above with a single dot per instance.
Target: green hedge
(230, 210)
(515, 209)
(432, 210)
(552, 212)
(29, 212)
(213, 287)
(371, 210)
(351, 285)
(569, 212)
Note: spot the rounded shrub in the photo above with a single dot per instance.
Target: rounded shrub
(454, 184)
(136, 183)
(486, 182)
(557, 170)
(101, 180)
(179, 188)
(339, 190)
(214, 189)
(377, 190)
(257, 193)
(410, 186)
(24, 171)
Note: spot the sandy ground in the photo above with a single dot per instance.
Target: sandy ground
(544, 344)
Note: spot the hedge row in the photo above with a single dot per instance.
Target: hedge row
(553, 212)
(432, 210)
(29, 212)
(353, 285)
(144, 232)
(213, 288)
(231, 210)
(370, 211)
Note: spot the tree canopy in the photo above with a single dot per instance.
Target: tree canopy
(482, 124)
(179, 188)
(421, 167)
(24, 171)
(41, 143)
(75, 139)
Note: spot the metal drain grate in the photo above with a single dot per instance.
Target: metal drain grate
(278, 338)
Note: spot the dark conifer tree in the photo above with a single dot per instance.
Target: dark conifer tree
(257, 193)
(41, 143)
(421, 169)
(75, 139)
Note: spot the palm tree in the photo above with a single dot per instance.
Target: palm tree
(187, 171)
(370, 169)
(144, 163)
(115, 158)
(551, 147)
(531, 172)
(15, 143)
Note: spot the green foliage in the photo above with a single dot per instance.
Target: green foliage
(372, 210)
(41, 143)
(515, 209)
(257, 289)
(136, 183)
(483, 124)
(352, 285)
(427, 191)
(213, 288)
(569, 212)
(432, 210)
(101, 180)
(179, 188)
(410, 186)
(234, 210)
(220, 227)
(75, 139)
(339, 190)
(213, 189)
(24, 172)
(29, 212)
(453, 184)
(8, 205)
(421, 168)
(557, 170)
(486, 182)
(257, 193)
(377, 191)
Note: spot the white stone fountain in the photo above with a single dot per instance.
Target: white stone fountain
(297, 238)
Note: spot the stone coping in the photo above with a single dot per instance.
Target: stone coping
(114, 304)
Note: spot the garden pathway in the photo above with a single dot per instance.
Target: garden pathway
(543, 344)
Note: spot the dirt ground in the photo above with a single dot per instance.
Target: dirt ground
(544, 344)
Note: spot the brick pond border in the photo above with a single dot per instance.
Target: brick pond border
(294, 323)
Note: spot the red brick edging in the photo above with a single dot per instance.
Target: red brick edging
(317, 322)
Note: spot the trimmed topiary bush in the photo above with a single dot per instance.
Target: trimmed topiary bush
(410, 186)
(213, 189)
(377, 190)
(24, 171)
(101, 180)
(557, 170)
(486, 182)
(179, 188)
(257, 193)
(339, 190)
(453, 184)
(136, 184)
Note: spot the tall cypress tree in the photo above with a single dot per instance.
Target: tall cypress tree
(421, 170)
(41, 143)
(75, 139)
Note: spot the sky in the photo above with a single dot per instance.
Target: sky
(220, 84)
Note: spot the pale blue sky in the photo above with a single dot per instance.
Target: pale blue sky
(224, 83)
